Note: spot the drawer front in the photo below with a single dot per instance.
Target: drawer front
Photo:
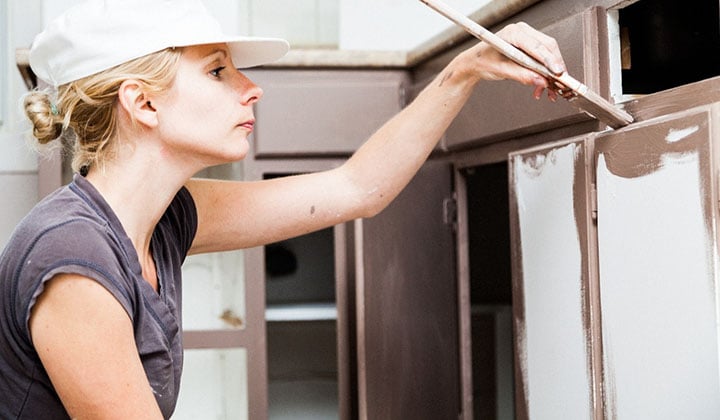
(322, 112)
(504, 109)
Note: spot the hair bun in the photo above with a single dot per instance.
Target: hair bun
(47, 124)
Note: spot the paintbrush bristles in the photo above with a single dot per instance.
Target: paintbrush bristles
(594, 104)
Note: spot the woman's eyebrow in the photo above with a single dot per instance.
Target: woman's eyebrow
(217, 51)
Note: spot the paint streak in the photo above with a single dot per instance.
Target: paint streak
(677, 135)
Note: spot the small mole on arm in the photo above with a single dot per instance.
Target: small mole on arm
(312, 209)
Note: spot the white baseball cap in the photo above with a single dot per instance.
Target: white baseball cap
(99, 34)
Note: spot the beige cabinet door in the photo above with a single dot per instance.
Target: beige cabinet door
(658, 261)
(554, 285)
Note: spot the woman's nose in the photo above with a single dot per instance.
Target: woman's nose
(250, 92)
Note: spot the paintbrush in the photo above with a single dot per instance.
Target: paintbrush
(580, 95)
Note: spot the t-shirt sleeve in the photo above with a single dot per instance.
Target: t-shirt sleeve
(76, 247)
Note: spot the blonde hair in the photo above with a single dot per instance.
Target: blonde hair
(84, 115)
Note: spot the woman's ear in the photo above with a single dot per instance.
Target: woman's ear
(136, 103)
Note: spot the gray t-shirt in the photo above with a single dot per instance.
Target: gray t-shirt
(75, 231)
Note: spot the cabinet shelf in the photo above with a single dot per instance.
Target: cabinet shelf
(301, 312)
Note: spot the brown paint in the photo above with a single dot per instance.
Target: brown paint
(583, 208)
(518, 303)
(640, 151)
(675, 100)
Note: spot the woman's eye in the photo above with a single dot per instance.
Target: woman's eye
(216, 72)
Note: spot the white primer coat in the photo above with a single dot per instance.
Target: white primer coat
(553, 350)
(657, 286)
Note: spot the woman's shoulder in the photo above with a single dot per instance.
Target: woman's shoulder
(62, 215)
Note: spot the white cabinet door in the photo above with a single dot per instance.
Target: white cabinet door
(657, 251)
(553, 283)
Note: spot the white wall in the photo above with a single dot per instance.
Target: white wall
(394, 24)
(18, 165)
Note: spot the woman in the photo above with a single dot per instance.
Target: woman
(149, 93)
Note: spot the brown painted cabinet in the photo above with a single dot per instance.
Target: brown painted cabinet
(365, 294)
(362, 322)
(306, 113)
(407, 343)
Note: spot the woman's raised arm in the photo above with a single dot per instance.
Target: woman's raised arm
(243, 214)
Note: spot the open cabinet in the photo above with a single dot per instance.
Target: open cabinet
(363, 323)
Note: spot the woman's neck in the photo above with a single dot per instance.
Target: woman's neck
(139, 194)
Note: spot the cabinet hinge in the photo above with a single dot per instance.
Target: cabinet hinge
(594, 202)
(450, 211)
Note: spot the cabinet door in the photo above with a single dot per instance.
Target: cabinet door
(407, 305)
(657, 256)
(554, 285)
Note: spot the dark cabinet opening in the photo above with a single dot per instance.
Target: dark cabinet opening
(301, 321)
(668, 43)
(488, 229)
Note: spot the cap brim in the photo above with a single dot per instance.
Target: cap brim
(251, 51)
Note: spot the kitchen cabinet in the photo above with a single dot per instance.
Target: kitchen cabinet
(301, 320)
(586, 308)
(349, 338)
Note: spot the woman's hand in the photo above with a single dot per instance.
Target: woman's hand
(483, 62)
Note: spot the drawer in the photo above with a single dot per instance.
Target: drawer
(500, 110)
(322, 112)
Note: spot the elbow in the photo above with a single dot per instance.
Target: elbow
(374, 203)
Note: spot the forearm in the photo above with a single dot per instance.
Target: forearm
(385, 164)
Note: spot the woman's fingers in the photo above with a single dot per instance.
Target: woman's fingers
(536, 44)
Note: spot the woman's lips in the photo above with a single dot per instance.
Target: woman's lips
(249, 125)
